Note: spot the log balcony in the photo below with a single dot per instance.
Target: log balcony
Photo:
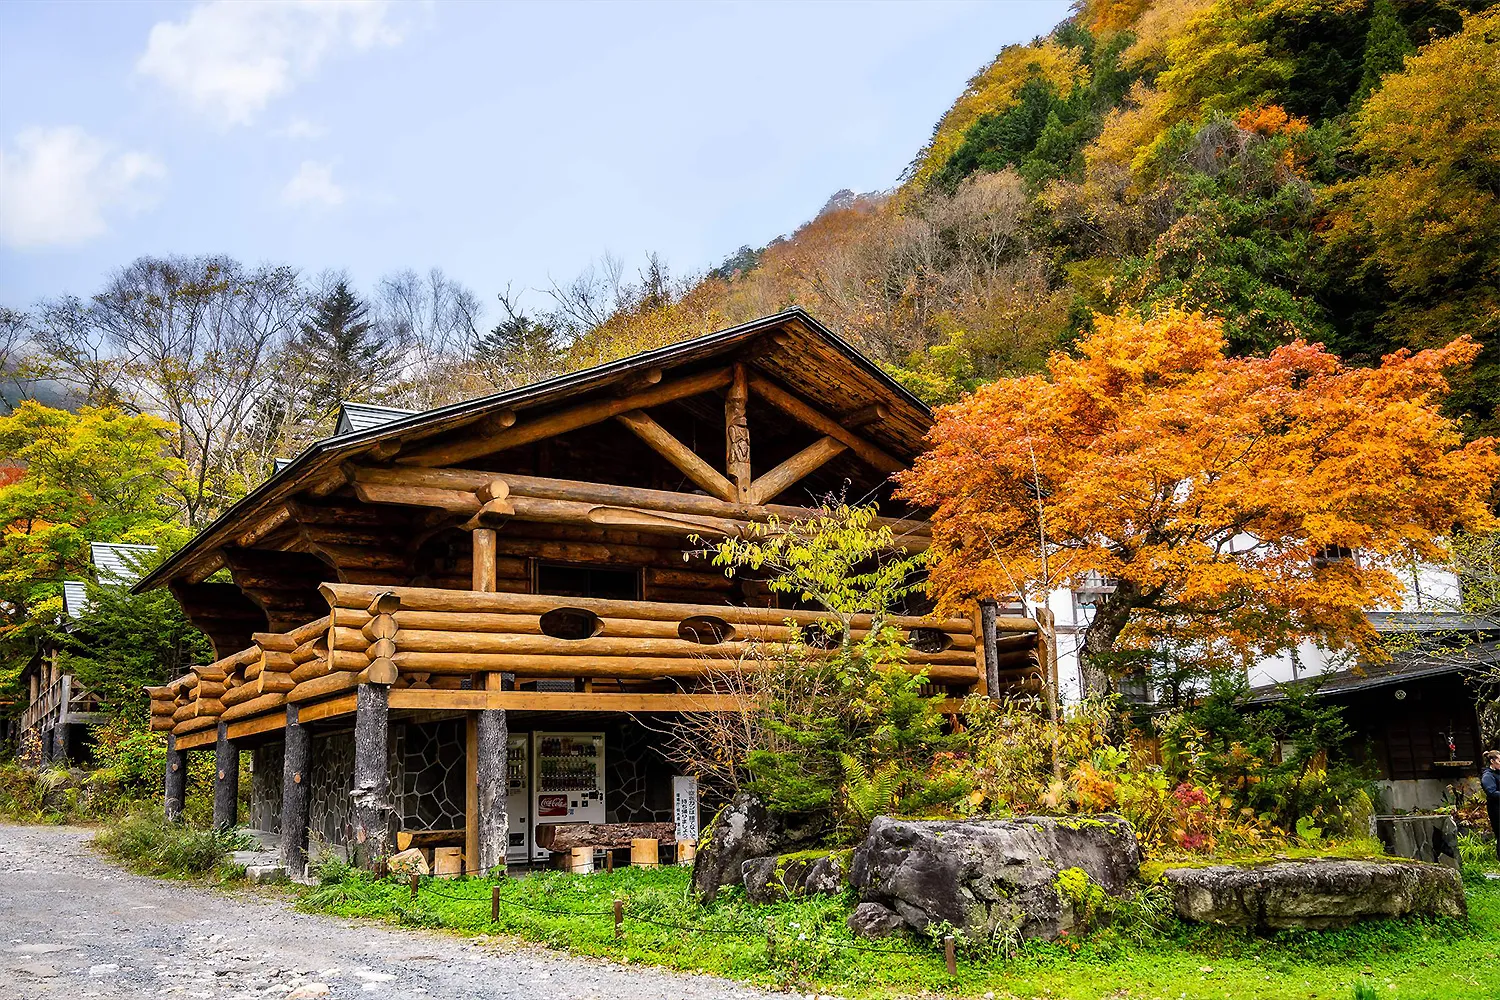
(64, 702)
(448, 650)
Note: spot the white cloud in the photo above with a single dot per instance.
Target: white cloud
(300, 128)
(230, 59)
(313, 185)
(59, 185)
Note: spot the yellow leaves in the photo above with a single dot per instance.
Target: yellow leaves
(993, 90)
(1211, 484)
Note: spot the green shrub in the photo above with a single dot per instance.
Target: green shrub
(149, 844)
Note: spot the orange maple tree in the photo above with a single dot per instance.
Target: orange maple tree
(1242, 503)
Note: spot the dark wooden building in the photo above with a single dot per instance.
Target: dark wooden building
(436, 620)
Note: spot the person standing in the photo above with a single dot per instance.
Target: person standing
(1491, 782)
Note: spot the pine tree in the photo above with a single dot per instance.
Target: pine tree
(1386, 47)
(519, 350)
(340, 351)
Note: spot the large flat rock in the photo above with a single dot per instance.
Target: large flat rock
(986, 876)
(1314, 893)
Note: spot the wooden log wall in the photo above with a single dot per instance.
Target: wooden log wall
(416, 638)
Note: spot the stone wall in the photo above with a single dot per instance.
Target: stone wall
(430, 775)
(328, 799)
(638, 779)
(265, 787)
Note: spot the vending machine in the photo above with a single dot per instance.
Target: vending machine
(518, 798)
(567, 777)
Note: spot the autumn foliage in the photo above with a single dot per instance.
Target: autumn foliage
(1225, 495)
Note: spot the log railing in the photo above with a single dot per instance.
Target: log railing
(423, 639)
(64, 701)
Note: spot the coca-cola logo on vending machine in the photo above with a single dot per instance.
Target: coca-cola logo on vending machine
(552, 805)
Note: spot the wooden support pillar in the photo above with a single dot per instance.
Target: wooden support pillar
(989, 609)
(737, 434)
(371, 793)
(296, 786)
(484, 559)
(493, 781)
(226, 780)
(174, 784)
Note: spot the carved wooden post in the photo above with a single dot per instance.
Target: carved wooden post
(226, 780)
(295, 793)
(737, 434)
(372, 792)
(174, 791)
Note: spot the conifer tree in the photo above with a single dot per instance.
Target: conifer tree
(340, 351)
(1386, 47)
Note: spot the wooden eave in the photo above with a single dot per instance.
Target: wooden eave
(791, 348)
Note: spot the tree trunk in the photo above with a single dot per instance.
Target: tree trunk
(296, 786)
(226, 780)
(174, 793)
(371, 791)
(493, 781)
(1096, 658)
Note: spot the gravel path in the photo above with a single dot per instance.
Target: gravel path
(72, 925)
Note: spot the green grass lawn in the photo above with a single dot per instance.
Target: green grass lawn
(805, 944)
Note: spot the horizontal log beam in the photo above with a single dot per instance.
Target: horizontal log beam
(357, 596)
(254, 727)
(560, 701)
(633, 667)
(544, 488)
(202, 738)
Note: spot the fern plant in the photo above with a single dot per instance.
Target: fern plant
(866, 794)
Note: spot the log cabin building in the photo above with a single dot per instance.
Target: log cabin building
(479, 619)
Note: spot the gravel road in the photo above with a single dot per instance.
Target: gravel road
(72, 925)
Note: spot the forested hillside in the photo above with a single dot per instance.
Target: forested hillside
(1320, 168)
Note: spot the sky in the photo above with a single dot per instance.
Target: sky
(508, 144)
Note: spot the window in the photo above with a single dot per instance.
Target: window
(565, 580)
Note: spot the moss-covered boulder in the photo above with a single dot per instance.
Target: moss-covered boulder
(989, 877)
(1314, 893)
(792, 876)
(746, 829)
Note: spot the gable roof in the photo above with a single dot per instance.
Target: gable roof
(75, 598)
(362, 416)
(115, 562)
(827, 369)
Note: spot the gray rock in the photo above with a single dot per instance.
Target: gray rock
(991, 876)
(264, 874)
(742, 830)
(873, 920)
(1433, 839)
(1315, 893)
(789, 876)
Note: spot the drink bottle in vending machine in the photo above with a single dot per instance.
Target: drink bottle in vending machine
(518, 798)
(567, 780)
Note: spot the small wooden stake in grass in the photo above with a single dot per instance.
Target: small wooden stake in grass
(495, 905)
(948, 954)
(619, 917)
(415, 878)
(609, 859)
